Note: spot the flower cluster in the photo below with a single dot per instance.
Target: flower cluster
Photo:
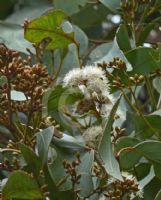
(93, 136)
(92, 81)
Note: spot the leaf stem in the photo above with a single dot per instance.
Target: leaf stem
(150, 91)
(137, 110)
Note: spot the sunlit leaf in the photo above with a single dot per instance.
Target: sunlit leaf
(49, 26)
(20, 185)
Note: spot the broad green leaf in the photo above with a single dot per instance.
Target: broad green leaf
(51, 185)
(69, 142)
(142, 170)
(148, 178)
(20, 185)
(69, 6)
(157, 169)
(151, 190)
(44, 139)
(28, 9)
(145, 30)
(86, 184)
(12, 36)
(82, 38)
(143, 60)
(99, 52)
(151, 121)
(127, 158)
(105, 149)
(56, 169)
(31, 159)
(86, 162)
(90, 16)
(122, 38)
(49, 26)
(125, 141)
(61, 96)
(113, 5)
(150, 149)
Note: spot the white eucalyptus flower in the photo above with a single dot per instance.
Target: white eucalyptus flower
(73, 77)
(92, 135)
(93, 78)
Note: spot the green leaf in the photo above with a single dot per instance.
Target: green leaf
(82, 38)
(141, 126)
(62, 96)
(142, 170)
(148, 178)
(85, 169)
(31, 159)
(69, 142)
(143, 60)
(151, 190)
(86, 184)
(86, 162)
(28, 9)
(150, 149)
(52, 188)
(91, 14)
(122, 38)
(127, 158)
(69, 6)
(157, 169)
(49, 26)
(12, 36)
(99, 52)
(56, 169)
(20, 185)
(105, 148)
(146, 30)
(43, 142)
(113, 5)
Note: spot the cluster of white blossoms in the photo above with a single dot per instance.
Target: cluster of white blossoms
(89, 79)
(93, 136)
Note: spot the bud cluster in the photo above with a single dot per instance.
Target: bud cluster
(116, 63)
(136, 79)
(128, 189)
(10, 165)
(117, 133)
(119, 78)
(70, 168)
(23, 76)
